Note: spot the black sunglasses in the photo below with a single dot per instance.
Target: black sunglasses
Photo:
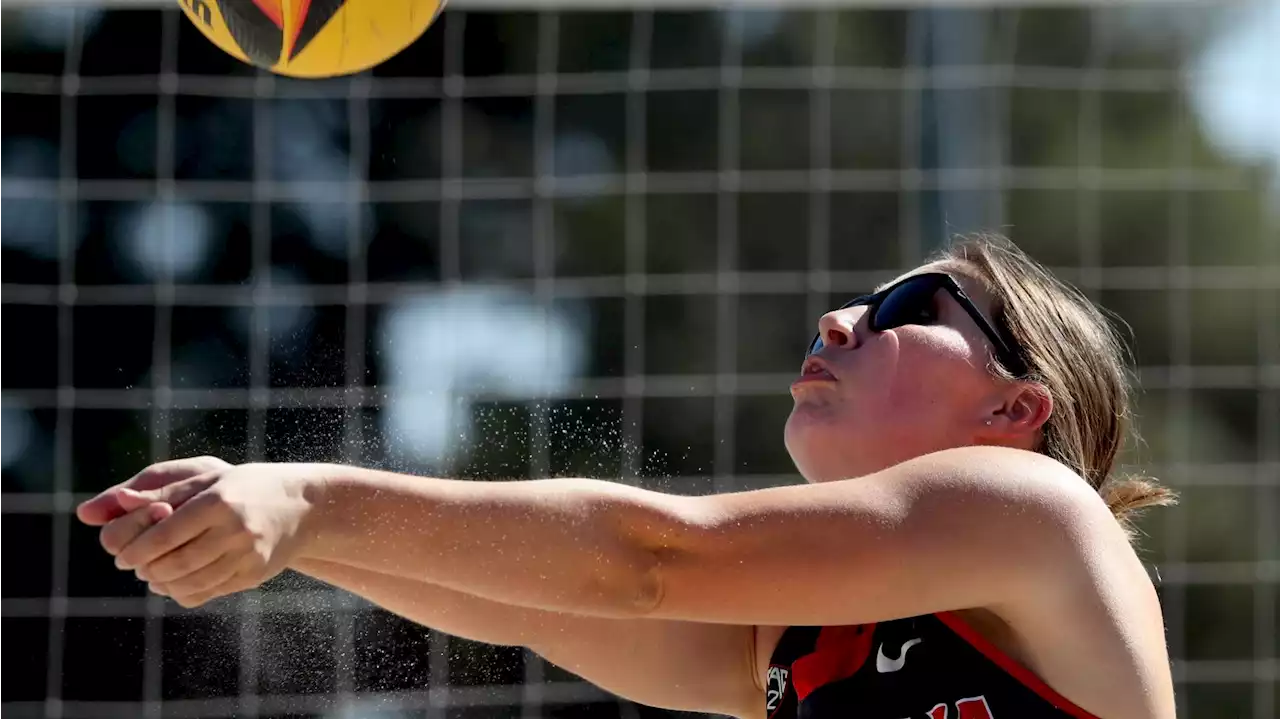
(910, 302)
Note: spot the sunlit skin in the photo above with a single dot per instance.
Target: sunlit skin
(638, 590)
(870, 400)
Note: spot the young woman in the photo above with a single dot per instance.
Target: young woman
(961, 548)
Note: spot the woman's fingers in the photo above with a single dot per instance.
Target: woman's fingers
(118, 533)
(209, 577)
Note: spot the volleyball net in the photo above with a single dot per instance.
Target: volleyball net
(547, 240)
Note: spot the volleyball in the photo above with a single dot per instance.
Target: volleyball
(312, 38)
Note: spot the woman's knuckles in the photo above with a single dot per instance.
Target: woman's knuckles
(118, 533)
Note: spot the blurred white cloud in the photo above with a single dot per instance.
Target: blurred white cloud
(29, 225)
(305, 150)
(172, 238)
(756, 25)
(17, 429)
(583, 153)
(443, 348)
(49, 26)
(1236, 85)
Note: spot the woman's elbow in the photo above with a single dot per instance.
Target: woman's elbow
(655, 537)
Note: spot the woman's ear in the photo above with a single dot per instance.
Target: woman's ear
(1022, 413)
(1029, 407)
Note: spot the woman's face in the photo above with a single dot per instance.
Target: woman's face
(869, 400)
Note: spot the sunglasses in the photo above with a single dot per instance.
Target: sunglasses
(910, 302)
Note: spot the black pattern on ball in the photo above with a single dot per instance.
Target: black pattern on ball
(256, 35)
(319, 13)
(262, 40)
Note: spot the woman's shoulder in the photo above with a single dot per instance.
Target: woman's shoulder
(1031, 475)
(993, 457)
(1031, 497)
(1095, 632)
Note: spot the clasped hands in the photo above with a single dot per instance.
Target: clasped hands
(200, 528)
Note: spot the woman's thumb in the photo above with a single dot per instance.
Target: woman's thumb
(175, 495)
(130, 500)
(123, 498)
(105, 507)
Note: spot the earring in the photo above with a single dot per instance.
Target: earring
(988, 423)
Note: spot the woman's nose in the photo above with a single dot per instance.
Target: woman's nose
(837, 328)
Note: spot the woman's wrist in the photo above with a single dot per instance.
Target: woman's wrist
(320, 485)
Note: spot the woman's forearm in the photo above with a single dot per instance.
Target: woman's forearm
(447, 610)
(580, 546)
(680, 665)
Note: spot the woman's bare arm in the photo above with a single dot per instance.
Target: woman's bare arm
(675, 665)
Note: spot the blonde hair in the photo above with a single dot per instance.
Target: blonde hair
(1072, 350)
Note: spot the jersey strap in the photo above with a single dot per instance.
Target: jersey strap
(1025, 676)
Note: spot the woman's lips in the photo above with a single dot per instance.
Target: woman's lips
(814, 369)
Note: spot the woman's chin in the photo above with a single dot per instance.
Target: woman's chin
(809, 436)
(819, 414)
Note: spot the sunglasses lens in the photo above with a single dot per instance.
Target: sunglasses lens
(909, 303)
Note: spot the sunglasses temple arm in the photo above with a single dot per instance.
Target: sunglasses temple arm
(1006, 353)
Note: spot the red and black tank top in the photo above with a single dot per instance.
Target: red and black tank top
(928, 667)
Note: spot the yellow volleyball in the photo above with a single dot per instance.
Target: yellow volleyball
(312, 38)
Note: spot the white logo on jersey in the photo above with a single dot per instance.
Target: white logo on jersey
(777, 687)
(884, 664)
(971, 708)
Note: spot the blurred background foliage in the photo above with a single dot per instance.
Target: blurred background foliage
(503, 223)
